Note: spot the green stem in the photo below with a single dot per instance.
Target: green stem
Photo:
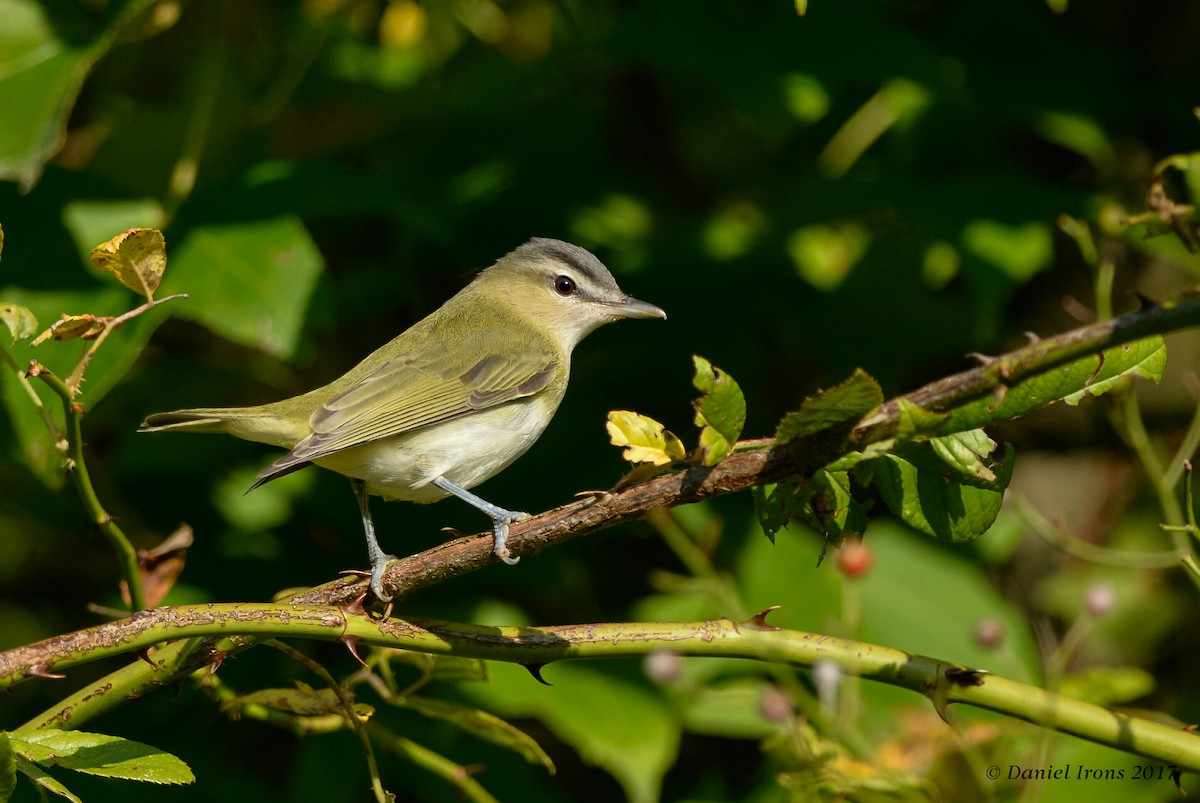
(431, 762)
(942, 682)
(127, 558)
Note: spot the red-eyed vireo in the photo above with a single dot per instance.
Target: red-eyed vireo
(450, 402)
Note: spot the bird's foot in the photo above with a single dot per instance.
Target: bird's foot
(379, 564)
(500, 535)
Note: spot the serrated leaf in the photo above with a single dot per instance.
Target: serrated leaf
(644, 439)
(101, 754)
(20, 322)
(73, 327)
(915, 420)
(1144, 358)
(840, 404)
(8, 768)
(967, 453)
(720, 411)
(482, 725)
(919, 486)
(1092, 375)
(136, 257)
(44, 780)
(831, 508)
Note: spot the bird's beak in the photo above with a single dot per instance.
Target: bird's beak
(633, 308)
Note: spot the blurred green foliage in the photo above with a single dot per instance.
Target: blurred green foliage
(872, 184)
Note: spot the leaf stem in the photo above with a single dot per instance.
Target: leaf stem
(127, 558)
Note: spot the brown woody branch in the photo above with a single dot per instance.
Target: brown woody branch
(761, 461)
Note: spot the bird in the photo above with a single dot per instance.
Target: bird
(451, 401)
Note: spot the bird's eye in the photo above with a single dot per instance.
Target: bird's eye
(564, 285)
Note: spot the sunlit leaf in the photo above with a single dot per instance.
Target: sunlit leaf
(41, 73)
(101, 754)
(19, 321)
(73, 327)
(844, 402)
(248, 281)
(137, 258)
(720, 411)
(1091, 375)
(915, 420)
(644, 439)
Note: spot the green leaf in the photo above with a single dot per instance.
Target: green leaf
(40, 77)
(615, 723)
(938, 489)
(482, 725)
(1108, 685)
(249, 282)
(1144, 358)
(21, 323)
(776, 506)
(915, 420)
(967, 453)
(846, 402)
(831, 507)
(644, 439)
(720, 411)
(303, 700)
(101, 754)
(8, 768)
(44, 779)
(1092, 375)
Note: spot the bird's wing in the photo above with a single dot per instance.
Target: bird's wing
(402, 395)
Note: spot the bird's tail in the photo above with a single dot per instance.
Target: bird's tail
(248, 423)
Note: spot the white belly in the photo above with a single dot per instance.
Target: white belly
(466, 451)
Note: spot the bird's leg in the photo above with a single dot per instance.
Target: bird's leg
(379, 558)
(500, 517)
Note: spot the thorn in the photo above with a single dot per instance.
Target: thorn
(983, 359)
(387, 611)
(355, 572)
(145, 656)
(593, 497)
(1191, 728)
(1177, 778)
(759, 620)
(966, 677)
(457, 533)
(351, 643)
(1144, 302)
(939, 705)
(1033, 338)
(355, 607)
(536, 671)
(43, 671)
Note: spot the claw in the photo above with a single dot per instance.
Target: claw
(377, 569)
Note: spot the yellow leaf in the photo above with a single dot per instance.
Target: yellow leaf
(137, 258)
(70, 327)
(644, 439)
